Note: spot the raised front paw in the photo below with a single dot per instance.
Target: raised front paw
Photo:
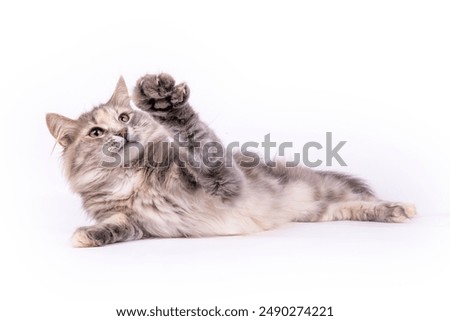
(159, 92)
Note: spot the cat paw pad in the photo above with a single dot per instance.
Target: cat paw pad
(159, 92)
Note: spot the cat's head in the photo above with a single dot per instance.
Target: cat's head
(107, 137)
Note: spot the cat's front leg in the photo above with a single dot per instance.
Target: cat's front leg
(117, 228)
(167, 103)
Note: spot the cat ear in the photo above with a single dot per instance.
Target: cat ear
(62, 128)
(120, 96)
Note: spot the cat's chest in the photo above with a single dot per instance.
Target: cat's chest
(123, 185)
(155, 199)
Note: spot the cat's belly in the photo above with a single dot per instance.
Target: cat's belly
(199, 224)
(178, 213)
(204, 215)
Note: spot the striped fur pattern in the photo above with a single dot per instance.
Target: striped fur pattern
(132, 201)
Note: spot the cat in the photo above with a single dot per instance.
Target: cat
(130, 199)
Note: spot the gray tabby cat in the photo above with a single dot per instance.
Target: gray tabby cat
(176, 196)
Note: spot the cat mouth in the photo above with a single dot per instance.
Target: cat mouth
(128, 144)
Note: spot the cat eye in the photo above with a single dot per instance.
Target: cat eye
(96, 132)
(124, 118)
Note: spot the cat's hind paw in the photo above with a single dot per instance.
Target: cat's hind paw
(398, 212)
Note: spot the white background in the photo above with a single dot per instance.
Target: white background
(375, 74)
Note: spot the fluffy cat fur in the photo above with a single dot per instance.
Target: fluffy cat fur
(130, 201)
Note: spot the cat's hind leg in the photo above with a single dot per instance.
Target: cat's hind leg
(377, 211)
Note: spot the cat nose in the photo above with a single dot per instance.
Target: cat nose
(123, 133)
